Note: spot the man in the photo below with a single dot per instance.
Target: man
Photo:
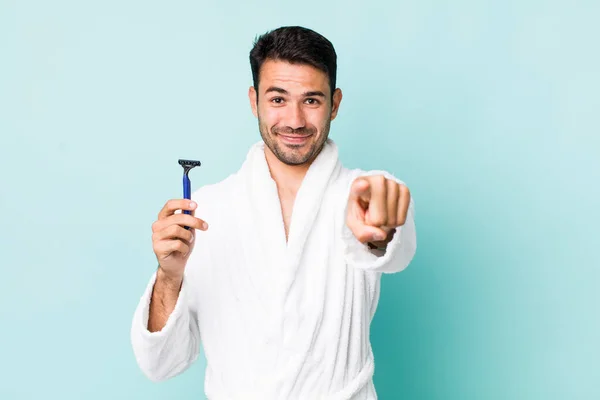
(279, 278)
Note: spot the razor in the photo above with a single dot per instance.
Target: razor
(187, 183)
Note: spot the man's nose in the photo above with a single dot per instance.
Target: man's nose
(295, 117)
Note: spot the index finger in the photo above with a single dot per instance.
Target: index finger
(378, 202)
(173, 205)
(360, 189)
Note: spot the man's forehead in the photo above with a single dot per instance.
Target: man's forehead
(294, 74)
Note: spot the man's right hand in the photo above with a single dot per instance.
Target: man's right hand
(173, 243)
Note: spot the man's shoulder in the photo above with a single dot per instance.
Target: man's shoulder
(217, 192)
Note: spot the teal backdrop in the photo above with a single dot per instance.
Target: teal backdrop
(487, 109)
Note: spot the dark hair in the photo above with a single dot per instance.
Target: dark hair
(296, 45)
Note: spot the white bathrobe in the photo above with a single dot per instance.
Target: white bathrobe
(276, 319)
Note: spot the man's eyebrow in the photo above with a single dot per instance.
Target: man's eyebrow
(276, 89)
(314, 93)
(306, 94)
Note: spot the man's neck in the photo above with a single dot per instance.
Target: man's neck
(287, 177)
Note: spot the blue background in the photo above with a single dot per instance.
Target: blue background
(487, 109)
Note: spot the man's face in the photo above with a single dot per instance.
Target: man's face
(294, 110)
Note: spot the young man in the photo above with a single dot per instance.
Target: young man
(281, 288)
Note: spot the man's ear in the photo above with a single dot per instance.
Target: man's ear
(335, 106)
(252, 96)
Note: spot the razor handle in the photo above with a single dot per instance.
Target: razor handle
(186, 191)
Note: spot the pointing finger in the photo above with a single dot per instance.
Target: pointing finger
(377, 213)
(361, 190)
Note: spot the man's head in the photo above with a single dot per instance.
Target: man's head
(294, 95)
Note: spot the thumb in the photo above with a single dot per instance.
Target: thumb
(366, 233)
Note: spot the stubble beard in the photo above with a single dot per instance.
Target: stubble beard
(293, 154)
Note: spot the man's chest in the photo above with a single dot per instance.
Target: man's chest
(287, 209)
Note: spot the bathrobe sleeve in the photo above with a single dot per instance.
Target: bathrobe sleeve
(166, 353)
(399, 251)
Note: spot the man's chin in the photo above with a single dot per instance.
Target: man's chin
(291, 155)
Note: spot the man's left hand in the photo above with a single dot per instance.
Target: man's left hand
(376, 206)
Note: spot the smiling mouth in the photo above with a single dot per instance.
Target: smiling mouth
(294, 139)
(294, 136)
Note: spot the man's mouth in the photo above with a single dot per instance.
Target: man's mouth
(294, 139)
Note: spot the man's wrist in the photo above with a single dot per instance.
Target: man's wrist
(172, 282)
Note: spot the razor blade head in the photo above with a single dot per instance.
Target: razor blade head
(189, 163)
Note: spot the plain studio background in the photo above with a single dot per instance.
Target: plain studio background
(488, 110)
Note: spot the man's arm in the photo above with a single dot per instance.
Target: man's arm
(164, 334)
(164, 298)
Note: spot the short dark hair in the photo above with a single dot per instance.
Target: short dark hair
(296, 45)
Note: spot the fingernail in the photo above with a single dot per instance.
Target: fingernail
(204, 226)
(192, 204)
(378, 236)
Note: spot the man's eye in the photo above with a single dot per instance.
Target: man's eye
(312, 101)
(277, 100)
